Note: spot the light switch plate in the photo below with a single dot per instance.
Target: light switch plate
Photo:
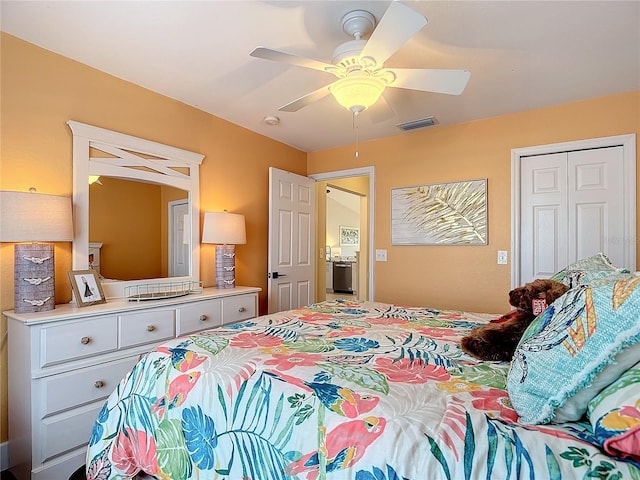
(381, 255)
(503, 257)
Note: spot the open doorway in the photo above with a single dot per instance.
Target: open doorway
(342, 242)
(344, 234)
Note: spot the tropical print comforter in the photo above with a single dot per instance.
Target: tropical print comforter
(337, 390)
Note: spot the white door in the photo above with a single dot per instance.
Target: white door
(596, 200)
(291, 240)
(544, 215)
(571, 208)
(179, 239)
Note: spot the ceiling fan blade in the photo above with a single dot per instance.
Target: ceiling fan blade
(306, 100)
(451, 82)
(398, 24)
(290, 58)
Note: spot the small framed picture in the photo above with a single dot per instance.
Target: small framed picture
(349, 236)
(86, 287)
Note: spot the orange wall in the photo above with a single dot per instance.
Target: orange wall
(40, 91)
(467, 277)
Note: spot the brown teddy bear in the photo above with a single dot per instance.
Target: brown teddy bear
(498, 339)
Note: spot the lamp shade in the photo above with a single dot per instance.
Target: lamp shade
(35, 217)
(224, 228)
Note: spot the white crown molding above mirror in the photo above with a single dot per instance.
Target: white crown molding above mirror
(127, 157)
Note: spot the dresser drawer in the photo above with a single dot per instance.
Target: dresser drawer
(73, 340)
(199, 316)
(145, 327)
(67, 431)
(79, 387)
(238, 308)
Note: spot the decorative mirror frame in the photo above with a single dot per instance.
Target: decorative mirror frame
(130, 158)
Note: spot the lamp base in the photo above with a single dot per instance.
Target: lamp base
(34, 277)
(225, 266)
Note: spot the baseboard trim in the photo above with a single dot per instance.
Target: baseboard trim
(4, 456)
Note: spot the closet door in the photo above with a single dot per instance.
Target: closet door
(595, 203)
(571, 208)
(544, 215)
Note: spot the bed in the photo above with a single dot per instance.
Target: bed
(340, 389)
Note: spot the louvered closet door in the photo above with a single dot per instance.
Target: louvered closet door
(571, 208)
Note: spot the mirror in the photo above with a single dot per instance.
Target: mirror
(142, 168)
(149, 242)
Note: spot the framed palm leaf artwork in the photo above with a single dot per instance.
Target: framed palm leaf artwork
(440, 214)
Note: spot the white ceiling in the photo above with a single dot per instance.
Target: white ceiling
(521, 54)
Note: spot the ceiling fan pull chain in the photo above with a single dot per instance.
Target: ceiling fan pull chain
(355, 129)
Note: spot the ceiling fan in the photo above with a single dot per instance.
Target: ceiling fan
(359, 64)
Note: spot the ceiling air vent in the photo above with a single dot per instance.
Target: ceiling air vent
(423, 122)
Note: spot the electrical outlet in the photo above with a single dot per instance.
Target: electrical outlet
(503, 257)
(381, 255)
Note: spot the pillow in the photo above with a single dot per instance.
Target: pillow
(583, 271)
(575, 406)
(577, 342)
(615, 416)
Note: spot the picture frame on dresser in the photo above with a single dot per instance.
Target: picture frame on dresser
(86, 286)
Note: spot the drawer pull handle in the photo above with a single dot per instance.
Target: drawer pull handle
(241, 309)
(85, 340)
(203, 318)
(150, 328)
(99, 384)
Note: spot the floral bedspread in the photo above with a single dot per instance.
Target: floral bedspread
(337, 390)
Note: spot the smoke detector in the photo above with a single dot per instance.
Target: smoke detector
(271, 120)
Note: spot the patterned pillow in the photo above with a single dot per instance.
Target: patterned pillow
(615, 415)
(575, 406)
(583, 271)
(569, 345)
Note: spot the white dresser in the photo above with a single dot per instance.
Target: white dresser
(65, 362)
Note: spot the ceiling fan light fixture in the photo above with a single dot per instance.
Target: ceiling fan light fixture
(357, 93)
(359, 64)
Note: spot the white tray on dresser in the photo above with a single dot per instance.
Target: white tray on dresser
(63, 363)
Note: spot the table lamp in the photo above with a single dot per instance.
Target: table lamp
(226, 230)
(34, 217)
